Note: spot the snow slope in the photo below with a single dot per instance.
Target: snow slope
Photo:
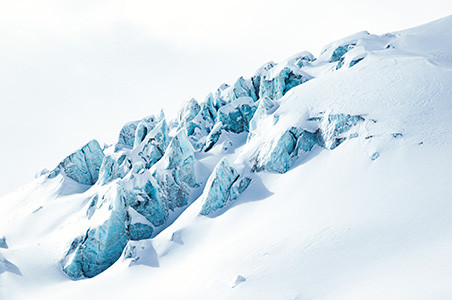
(368, 219)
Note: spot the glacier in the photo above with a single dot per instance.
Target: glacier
(309, 167)
(154, 172)
(152, 168)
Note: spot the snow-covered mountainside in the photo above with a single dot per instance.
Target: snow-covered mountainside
(324, 177)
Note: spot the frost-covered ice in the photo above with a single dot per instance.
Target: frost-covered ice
(323, 177)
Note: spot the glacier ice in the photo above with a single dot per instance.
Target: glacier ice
(257, 77)
(279, 154)
(143, 127)
(238, 280)
(340, 51)
(176, 173)
(7, 266)
(149, 145)
(233, 117)
(213, 136)
(114, 166)
(139, 231)
(218, 97)
(223, 186)
(153, 170)
(340, 63)
(375, 155)
(355, 61)
(189, 111)
(276, 81)
(152, 145)
(242, 88)
(142, 201)
(100, 246)
(332, 126)
(276, 86)
(201, 125)
(265, 107)
(3, 243)
(127, 135)
(236, 115)
(302, 59)
(141, 192)
(83, 165)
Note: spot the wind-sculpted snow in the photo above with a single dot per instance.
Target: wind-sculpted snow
(83, 165)
(223, 186)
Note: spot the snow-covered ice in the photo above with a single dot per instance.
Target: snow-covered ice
(323, 177)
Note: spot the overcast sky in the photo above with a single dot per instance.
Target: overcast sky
(71, 71)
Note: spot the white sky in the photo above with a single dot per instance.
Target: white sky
(71, 71)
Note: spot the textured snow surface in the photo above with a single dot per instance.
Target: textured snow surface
(315, 178)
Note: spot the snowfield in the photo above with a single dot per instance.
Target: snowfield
(340, 188)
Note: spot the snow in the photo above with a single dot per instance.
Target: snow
(362, 212)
